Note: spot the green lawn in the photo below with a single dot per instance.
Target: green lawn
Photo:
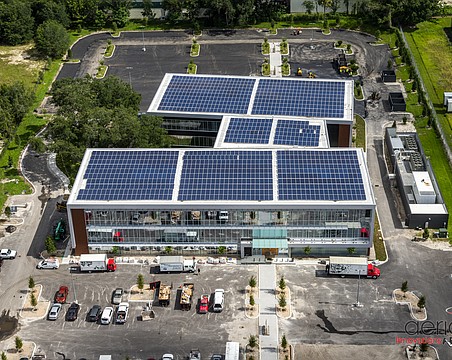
(360, 128)
(433, 56)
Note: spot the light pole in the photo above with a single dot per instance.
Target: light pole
(130, 75)
(73, 287)
(357, 304)
(144, 47)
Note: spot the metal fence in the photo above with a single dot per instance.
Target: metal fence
(429, 102)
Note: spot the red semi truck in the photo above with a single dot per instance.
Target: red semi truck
(357, 266)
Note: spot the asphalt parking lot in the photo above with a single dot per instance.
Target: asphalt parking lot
(172, 331)
(324, 311)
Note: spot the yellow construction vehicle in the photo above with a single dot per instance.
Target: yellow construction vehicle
(299, 72)
(311, 75)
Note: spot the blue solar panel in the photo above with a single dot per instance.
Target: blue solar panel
(297, 133)
(130, 175)
(248, 131)
(319, 175)
(228, 95)
(323, 99)
(226, 175)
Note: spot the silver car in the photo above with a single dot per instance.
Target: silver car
(54, 311)
(116, 297)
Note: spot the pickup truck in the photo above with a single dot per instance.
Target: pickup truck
(121, 313)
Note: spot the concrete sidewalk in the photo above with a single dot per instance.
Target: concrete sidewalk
(268, 321)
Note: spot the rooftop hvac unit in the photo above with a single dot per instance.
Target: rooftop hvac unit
(410, 143)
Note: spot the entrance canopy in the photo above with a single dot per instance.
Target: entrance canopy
(270, 244)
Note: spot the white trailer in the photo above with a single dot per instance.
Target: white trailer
(176, 264)
(358, 266)
(232, 351)
(96, 262)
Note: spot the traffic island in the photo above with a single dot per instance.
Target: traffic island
(39, 311)
(144, 295)
(252, 302)
(252, 349)
(285, 353)
(283, 308)
(418, 312)
(26, 351)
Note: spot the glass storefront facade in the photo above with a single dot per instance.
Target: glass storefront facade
(207, 229)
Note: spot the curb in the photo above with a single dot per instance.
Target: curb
(288, 302)
(28, 319)
(409, 305)
(113, 51)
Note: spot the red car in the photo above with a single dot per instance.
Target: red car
(61, 295)
(204, 304)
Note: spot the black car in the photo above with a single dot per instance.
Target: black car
(72, 312)
(94, 313)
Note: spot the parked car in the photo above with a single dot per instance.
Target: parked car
(204, 304)
(8, 254)
(61, 294)
(106, 316)
(54, 311)
(48, 264)
(116, 297)
(167, 357)
(72, 312)
(94, 313)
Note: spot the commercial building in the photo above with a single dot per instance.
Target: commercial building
(422, 200)
(259, 201)
(272, 184)
(196, 104)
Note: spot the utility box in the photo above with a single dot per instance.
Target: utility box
(397, 101)
(447, 96)
(388, 76)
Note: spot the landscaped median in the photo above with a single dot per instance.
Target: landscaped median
(33, 307)
(283, 308)
(415, 304)
(251, 299)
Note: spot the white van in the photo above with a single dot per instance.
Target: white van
(218, 300)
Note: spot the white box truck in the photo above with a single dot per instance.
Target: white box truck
(96, 262)
(176, 264)
(355, 266)
(232, 351)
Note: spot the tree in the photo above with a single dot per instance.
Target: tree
(309, 6)
(347, 4)
(426, 233)
(174, 9)
(252, 341)
(252, 302)
(334, 6)
(19, 343)
(253, 282)
(421, 302)
(43, 10)
(414, 86)
(50, 246)
(140, 282)
(423, 347)
(118, 11)
(147, 10)
(282, 301)
(282, 283)
(16, 22)
(326, 4)
(389, 67)
(4, 357)
(36, 144)
(168, 249)
(351, 250)
(284, 342)
(33, 300)
(307, 250)
(31, 283)
(52, 39)
(404, 287)
(221, 250)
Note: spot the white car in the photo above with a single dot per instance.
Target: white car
(167, 357)
(48, 264)
(54, 311)
(121, 313)
(107, 315)
(8, 254)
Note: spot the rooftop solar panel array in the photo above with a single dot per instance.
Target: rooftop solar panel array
(226, 175)
(296, 133)
(228, 95)
(299, 98)
(130, 175)
(319, 175)
(248, 131)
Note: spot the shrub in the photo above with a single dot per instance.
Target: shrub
(339, 43)
(282, 283)
(252, 341)
(284, 342)
(33, 300)
(253, 282)
(221, 250)
(50, 246)
(307, 250)
(140, 281)
(404, 287)
(31, 283)
(421, 302)
(252, 302)
(282, 301)
(19, 343)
